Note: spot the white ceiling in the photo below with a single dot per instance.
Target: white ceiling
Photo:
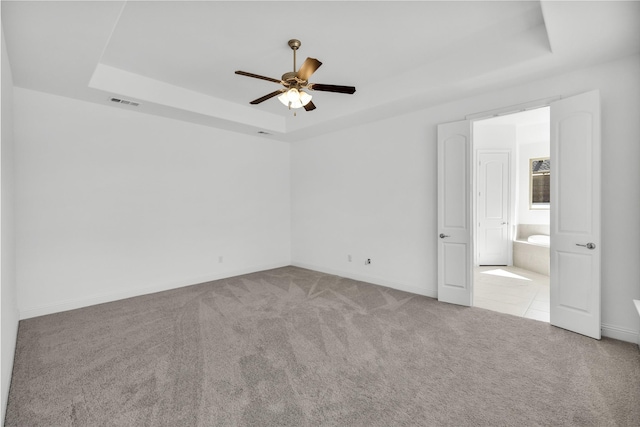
(177, 58)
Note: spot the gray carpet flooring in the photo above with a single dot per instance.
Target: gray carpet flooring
(296, 347)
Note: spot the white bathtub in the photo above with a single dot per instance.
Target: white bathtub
(532, 254)
(538, 239)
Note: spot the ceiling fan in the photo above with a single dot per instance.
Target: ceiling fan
(293, 95)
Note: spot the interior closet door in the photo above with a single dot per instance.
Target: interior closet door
(575, 214)
(493, 208)
(455, 256)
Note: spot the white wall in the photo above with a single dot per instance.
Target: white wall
(370, 191)
(9, 307)
(533, 142)
(113, 203)
(364, 192)
(487, 136)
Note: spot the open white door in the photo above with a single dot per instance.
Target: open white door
(575, 214)
(454, 222)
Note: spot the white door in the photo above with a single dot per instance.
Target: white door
(492, 232)
(575, 214)
(455, 257)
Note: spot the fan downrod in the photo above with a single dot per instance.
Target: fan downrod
(294, 44)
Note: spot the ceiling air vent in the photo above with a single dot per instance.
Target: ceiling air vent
(125, 102)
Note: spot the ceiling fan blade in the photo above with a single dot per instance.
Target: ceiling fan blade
(332, 88)
(310, 106)
(309, 66)
(256, 76)
(264, 98)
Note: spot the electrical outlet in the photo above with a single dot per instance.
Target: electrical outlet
(368, 261)
(220, 259)
(349, 258)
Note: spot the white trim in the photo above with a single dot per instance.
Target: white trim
(512, 109)
(618, 333)
(72, 304)
(431, 293)
(610, 331)
(637, 304)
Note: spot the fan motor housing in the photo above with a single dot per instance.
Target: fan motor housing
(291, 80)
(294, 44)
(291, 75)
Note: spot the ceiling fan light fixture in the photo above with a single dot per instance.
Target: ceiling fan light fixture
(305, 98)
(283, 98)
(293, 98)
(293, 95)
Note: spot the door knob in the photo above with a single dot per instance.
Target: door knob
(588, 245)
(442, 235)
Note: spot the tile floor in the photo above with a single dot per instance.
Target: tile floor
(512, 290)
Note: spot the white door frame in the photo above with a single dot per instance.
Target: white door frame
(483, 115)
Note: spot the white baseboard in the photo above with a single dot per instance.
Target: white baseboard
(10, 318)
(610, 331)
(72, 304)
(427, 292)
(618, 333)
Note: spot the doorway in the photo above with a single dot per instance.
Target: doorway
(511, 206)
(575, 280)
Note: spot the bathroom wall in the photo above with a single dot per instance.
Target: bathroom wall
(532, 142)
